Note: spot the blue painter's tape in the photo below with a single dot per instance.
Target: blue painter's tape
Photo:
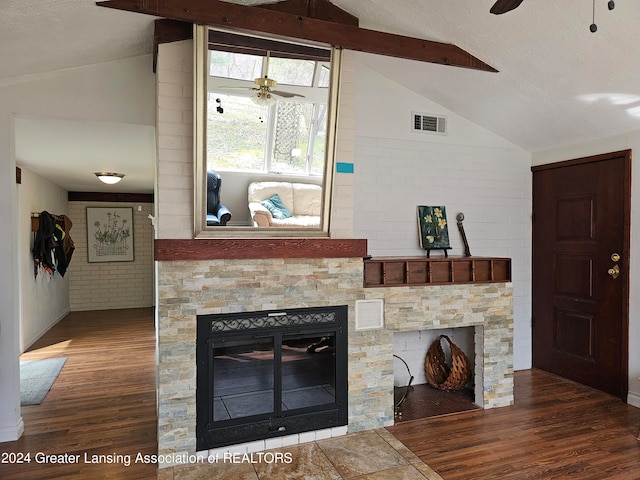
(342, 167)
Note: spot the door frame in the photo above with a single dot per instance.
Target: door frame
(625, 261)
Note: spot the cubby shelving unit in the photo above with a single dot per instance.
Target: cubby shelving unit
(410, 271)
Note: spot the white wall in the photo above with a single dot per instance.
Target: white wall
(11, 425)
(112, 285)
(470, 170)
(605, 145)
(44, 299)
(121, 91)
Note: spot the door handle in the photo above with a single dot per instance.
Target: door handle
(614, 271)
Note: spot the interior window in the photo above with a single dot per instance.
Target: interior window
(284, 136)
(263, 114)
(234, 65)
(324, 76)
(236, 138)
(290, 71)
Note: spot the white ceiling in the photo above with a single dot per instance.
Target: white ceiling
(558, 83)
(69, 153)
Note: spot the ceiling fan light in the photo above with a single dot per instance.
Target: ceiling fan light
(263, 99)
(110, 178)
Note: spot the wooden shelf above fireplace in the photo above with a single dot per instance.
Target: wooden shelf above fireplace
(413, 271)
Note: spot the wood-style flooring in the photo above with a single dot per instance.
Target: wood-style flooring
(102, 403)
(557, 429)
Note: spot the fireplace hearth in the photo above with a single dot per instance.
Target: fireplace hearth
(270, 373)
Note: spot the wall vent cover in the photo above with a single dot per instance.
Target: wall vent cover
(369, 314)
(428, 123)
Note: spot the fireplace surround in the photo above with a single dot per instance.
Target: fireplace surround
(269, 374)
(194, 280)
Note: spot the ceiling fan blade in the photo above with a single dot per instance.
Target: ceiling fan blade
(504, 6)
(235, 88)
(285, 94)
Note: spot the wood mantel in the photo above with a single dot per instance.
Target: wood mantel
(410, 271)
(246, 248)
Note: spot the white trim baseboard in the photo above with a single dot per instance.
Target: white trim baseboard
(45, 329)
(11, 434)
(633, 399)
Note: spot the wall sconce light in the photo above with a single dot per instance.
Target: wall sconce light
(109, 178)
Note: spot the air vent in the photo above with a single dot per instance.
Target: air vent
(369, 314)
(428, 123)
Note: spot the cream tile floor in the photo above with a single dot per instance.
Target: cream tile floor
(372, 455)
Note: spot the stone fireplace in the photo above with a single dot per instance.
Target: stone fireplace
(204, 286)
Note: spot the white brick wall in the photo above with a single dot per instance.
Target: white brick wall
(175, 144)
(469, 170)
(342, 205)
(175, 140)
(111, 285)
(412, 348)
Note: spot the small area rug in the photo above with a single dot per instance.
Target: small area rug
(36, 379)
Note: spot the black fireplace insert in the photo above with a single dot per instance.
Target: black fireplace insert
(270, 373)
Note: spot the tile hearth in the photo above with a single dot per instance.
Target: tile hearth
(372, 455)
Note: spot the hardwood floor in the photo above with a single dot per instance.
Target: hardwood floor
(103, 402)
(557, 429)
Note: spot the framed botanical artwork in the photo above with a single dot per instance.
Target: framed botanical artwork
(109, 234)
(434, 231)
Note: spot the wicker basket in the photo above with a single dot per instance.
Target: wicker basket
(439, 374)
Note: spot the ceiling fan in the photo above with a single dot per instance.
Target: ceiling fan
(265, 88)
(504, 6)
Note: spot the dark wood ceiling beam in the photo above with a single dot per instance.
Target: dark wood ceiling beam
(320, 9)
(167, 31)
(218, 13)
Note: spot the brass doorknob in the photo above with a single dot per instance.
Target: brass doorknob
(614, 271)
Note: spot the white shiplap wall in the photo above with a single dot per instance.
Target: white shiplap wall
(469, 170)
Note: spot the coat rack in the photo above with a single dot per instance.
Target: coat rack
(35, 220)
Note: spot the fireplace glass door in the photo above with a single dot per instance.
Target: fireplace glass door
(257, 381)
(242, 378)
(308, 371)
(253, 375)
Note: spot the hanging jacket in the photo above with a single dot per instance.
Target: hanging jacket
(65, 248)
(45, 243)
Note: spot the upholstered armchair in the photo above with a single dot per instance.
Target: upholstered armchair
(217, 214)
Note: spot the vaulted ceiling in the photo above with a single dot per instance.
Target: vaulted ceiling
(557, 84)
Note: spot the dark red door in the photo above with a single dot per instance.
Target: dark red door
(581, 212)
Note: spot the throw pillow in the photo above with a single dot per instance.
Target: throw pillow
(276, 207)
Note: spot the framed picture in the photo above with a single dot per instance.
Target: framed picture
(109, 234)
(434, 231)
